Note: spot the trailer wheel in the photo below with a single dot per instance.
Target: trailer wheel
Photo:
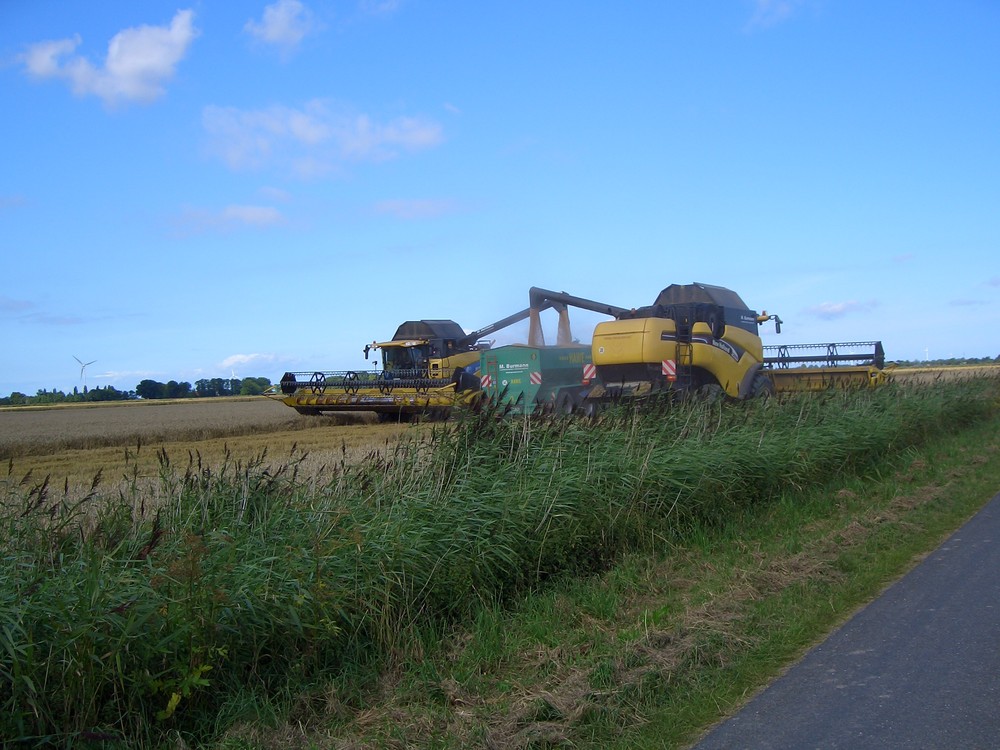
(565, 403)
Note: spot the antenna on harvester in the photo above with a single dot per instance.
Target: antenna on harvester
(83, 369)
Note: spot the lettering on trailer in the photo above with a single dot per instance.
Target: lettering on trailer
(535, 378)
(669, 370)
(589, 373)
(485, 381)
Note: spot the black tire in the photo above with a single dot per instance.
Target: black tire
(565, 403)
(761, 387)
(710, 393)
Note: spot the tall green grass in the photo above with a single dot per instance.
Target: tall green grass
(131, 616)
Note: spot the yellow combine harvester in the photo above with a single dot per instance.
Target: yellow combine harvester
(694, 338)
(427, 368)
(703, 338)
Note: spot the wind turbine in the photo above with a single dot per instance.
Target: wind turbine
(83, 367)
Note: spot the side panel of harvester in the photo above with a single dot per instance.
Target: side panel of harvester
(530, 378)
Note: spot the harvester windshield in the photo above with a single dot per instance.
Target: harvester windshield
(408, 355)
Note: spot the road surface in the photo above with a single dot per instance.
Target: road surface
(917, 668)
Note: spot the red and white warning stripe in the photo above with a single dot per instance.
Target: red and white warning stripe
(669, 370)
(589, 373)
(535, 378)
(485, 381)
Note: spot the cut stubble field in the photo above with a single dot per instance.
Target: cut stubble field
(71, 444)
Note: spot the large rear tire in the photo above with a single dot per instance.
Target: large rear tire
(762, 387)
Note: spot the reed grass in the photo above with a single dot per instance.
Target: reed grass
(131, 617)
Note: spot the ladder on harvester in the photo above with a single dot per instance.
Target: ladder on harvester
(685, 352)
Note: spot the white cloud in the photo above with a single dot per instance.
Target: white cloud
(284, 25)
(414, 209)
(768, 13)
(9, 304)
(275, 194)
(246, 359)
(139, 62)
(380, 7)
(234, 216)
(120, 375)
(832, 310)
(258, 216)
(10, 202)
(313, 139)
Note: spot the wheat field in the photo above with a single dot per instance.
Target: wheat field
(70, 444)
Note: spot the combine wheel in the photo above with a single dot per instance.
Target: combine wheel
(351, 382)
(436, 414)
(762, 387)
(711, 392)
(317, 383)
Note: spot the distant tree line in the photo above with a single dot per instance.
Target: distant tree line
(147, 389)
(204, 388)
(952, 362)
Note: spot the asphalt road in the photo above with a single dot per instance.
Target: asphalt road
(917, 668)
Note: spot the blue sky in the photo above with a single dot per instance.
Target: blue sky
(196, 190)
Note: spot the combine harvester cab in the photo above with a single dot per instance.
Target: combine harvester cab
(428, 368)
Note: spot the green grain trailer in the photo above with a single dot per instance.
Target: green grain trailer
(530, 378)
